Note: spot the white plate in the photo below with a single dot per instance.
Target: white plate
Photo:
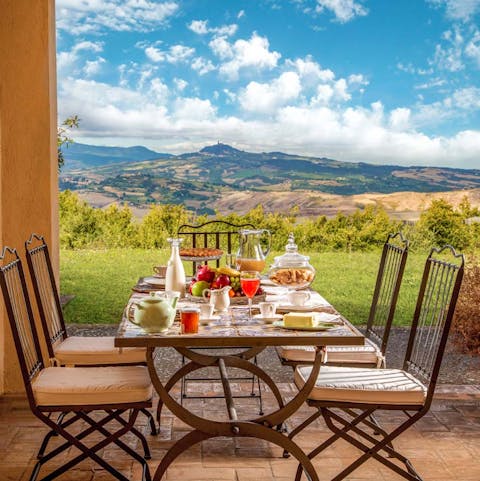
(268, 320)
(305, 307)
(154, 281)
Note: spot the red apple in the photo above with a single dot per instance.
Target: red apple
(222, 280)
(205, 274)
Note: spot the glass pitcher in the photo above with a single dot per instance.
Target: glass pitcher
(251, 255)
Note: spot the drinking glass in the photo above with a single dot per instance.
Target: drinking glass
(250, 282)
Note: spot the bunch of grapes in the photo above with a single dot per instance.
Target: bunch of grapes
(235, 283)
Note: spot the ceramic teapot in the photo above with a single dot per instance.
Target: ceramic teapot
(155, 314)
(219, 298)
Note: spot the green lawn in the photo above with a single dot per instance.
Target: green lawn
(101, 281)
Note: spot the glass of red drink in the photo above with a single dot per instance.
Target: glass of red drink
(189, 318)
(250, 282)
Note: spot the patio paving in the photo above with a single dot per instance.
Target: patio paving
(444, 445)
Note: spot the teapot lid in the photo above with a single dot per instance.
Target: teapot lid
(291, 258)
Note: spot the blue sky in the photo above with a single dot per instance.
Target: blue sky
(381, 81)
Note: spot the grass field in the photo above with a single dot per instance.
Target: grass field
(101, 281)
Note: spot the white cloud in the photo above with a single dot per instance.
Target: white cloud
(92, 67)
(450, 57)
(472, 49)
(155, 54)
(459, 9)
(159, 91)
(202, 65)
(200, 27)
(400, 119)
(344, 10)
(241, 14)
(252, 53)
(460, 103)
(85, 16)
(180, 84)
(69, 59)
(467, 98)
(179, 53)
(370, 134)
(460, 46)
(266, 98)
(175, 54)
(409, 68)
(193, 110)
(357, 79)
(436, 82)
(310, 71)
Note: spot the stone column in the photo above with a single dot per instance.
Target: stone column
(28, 165)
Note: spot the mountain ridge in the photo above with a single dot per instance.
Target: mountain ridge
(202, 179)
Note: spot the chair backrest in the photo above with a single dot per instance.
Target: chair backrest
(19, 310)
(387, 287)
(46, 293)
(437, 298)
(218, 234)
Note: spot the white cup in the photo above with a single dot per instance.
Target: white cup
(206, 311)
(298, 298)
(267, 309)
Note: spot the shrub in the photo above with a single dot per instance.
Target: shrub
(467, 314)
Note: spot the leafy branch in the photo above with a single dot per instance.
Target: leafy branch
(63, 138)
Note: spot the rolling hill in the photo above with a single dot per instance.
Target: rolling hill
(221, 177)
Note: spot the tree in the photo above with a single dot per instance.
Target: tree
(446, 225)
(63, 139)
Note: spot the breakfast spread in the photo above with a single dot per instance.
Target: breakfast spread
(292, 276)
(200, 252)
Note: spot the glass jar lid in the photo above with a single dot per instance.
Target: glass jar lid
(291, 258)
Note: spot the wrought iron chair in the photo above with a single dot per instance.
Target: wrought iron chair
(216, 234)
(64, 350)
(81, 393)
(346, 397)
(382, 311)
(223, 235)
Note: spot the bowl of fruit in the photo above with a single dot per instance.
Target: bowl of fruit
(208, 277)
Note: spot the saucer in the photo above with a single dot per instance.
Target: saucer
(155, 281)
(268, 320)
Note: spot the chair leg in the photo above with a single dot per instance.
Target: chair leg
(259, 385)
(151, 420)
(90, 452)
(370, 451)
(52, 433)
(301, 427)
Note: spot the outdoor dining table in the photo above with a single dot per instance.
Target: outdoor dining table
(233, 329)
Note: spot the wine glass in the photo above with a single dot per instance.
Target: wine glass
(250, 282)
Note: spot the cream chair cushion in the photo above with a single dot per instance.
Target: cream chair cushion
(366, 354)
(84, 351)
(73, 386)
(363, 385)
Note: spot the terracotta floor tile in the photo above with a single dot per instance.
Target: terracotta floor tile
(445, 445)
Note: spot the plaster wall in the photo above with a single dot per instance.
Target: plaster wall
(28, 165)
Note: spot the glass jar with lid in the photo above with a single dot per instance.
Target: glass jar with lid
(292, 269)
